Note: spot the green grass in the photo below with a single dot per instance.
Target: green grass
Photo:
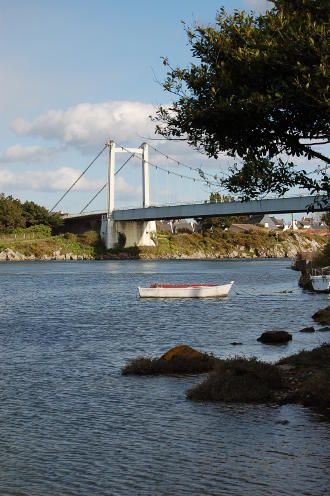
(87, 244)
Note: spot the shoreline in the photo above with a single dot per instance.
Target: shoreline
(124, 257)
(216, 245)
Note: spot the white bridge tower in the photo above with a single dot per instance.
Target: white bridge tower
(136, 233)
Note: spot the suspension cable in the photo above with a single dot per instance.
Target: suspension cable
(196, 169)
(171, 172)
(81, 175)
(152, 165)
(94, 197)
(104, 186)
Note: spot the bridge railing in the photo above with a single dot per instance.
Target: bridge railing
(176, 203)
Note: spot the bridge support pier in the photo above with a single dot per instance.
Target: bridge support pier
(135, 233)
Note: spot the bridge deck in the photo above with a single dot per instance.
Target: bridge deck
(271, 206)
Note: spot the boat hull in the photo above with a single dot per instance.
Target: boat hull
(188, 292)
(321, 284)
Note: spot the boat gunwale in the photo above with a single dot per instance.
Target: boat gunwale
(185, 292)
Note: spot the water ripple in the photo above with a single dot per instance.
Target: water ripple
(70, 424)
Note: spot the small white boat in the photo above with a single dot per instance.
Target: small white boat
(321, 280)
(185, 290)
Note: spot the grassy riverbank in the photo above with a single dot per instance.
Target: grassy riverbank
(226, 244)
(211, 244)
(44, 246)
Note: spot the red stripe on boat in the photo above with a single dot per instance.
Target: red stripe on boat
(156, 285)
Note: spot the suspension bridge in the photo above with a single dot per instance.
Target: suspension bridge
(138, 224)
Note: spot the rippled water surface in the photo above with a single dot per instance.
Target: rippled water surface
(70, 424)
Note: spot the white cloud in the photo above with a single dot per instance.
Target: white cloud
(259, 6)
(60, 180)
(18, 153)
(124, 188)
(55, 180)
(89, 125)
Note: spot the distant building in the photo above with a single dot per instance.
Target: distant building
(178, 226)
(165, 226)
(183, 226)
(263, 220)
(310, 225)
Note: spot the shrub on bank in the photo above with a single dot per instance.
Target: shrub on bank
(317, 358)
(316, 390)
(179, 360)
(159, 366)
(312, 369)
(301, 378)
(238, 380)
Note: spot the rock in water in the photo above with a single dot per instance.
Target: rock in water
(322, 316)
(275, 337)
(307, 329)
(324, 329)
(182, 351)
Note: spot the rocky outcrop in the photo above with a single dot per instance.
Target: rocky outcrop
(275, 337)
(307, 329)
(322, 316)
(9, 255)
(184, 351)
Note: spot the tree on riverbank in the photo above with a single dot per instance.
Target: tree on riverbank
(14, 214)
(259, 88)
(221, 222)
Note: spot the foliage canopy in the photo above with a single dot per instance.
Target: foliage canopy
(14, 214)
(221, 222)
(259, 88)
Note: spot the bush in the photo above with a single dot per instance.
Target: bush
(238, 380)
(316, 390)
(121, 240)
(40, 230)
(91, 238)
(322, 259)
(318, 358)
(73, 238)
(179, 360)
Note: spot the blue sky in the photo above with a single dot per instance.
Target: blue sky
(75, 73)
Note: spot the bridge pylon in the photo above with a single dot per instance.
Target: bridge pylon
(136, 232)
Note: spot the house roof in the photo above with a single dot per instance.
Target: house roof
(261, 219)
(278, 222)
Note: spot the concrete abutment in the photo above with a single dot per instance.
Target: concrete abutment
(135, 233)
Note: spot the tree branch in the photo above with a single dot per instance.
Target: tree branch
(314, 153)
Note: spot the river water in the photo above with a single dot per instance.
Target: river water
(70, 424)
